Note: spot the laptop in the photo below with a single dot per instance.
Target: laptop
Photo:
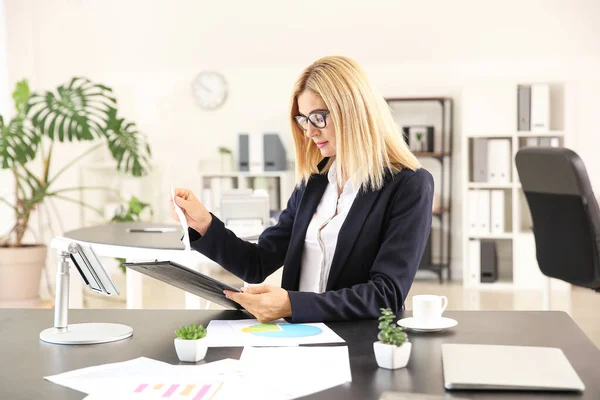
(494, 367)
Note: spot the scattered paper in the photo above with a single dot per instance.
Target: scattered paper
(250, 332)
(144, 378)
(265, 373)
(182, 221)
(291, 372)
(80, 379)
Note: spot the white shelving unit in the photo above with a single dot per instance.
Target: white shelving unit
(279, 185)
(490, 112)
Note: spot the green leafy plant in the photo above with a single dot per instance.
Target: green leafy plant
(132, 212)
(225, 150)
(192, 332)
(390, 332)
(80, 110)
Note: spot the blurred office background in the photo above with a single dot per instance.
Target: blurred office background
(470, 58)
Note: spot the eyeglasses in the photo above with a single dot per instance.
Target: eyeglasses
(316, 118)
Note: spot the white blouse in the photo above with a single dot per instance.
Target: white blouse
(322, 234)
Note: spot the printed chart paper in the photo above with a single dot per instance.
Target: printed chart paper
(250, 332)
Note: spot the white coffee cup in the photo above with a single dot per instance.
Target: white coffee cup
(428, 308)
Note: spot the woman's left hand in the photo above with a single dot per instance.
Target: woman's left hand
(267, 303)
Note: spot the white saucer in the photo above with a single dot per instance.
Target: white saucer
(442, 323)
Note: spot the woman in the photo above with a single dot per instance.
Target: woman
(356, 225)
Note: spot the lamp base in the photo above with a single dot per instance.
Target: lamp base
(90, 333)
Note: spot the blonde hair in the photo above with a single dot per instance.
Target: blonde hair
(368, 142)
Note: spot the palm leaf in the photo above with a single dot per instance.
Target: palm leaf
(18, 143)
(76, 111)
(21, 96)
(128, 146)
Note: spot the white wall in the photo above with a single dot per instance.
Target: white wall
(6, 182)
(149, 52)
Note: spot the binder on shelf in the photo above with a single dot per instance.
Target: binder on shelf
(244, 152)
(473, 205)
(474, 261)
(545, 142)
(524, 107)
(488, 261)
(540, 107)
(257, 155)
(497, 211)
(483, 212)
(532, 142)
(480, 155)
(498, 161)
(274, 153)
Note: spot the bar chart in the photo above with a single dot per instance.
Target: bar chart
(179, 390)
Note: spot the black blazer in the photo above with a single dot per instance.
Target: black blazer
(379, 248)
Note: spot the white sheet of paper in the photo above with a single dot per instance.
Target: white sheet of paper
(182, 221)
(250, 332)
(293, 372)
(79, 379)
(152, 378)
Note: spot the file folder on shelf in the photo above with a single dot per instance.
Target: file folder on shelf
(488, 261)
(524, 107)
(473, 205)
(480, 156)
(499, 161)
(483, 212)
(474, 260)
(497, 211)
(540, 107)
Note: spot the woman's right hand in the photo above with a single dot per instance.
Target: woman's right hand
(196, 215)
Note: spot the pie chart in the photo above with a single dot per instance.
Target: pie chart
(282, 331)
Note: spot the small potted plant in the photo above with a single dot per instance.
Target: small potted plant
(227, 164)
(392, 351)
(190, 343)
(419, 136)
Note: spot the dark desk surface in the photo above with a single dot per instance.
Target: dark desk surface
(26, 360)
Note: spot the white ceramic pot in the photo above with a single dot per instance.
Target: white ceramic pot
(390, 356)
(191, 350)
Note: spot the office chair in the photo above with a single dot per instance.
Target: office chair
(565, 214)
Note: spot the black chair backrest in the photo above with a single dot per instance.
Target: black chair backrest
(565, 214)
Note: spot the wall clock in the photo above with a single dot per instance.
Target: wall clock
(209, 89)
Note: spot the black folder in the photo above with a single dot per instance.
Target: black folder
(187, 279)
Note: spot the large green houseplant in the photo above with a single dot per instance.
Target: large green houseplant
(80, 110)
